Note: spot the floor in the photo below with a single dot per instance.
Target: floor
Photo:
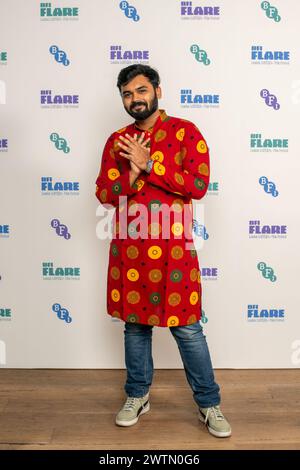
(75, 409)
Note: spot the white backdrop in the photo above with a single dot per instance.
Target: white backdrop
(32, 332)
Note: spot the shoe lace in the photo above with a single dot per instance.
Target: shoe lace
(130, 403)
(216, 412)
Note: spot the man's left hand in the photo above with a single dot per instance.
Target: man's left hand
(136, 150)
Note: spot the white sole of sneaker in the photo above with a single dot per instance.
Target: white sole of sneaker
(213, 431)
(135, 420)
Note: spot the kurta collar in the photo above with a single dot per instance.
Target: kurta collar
(162, 117)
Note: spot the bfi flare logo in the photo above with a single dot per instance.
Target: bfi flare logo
(259, 143)
(58, 13)
(127, 56)
(256, 314)
(260, 56)
(190, 11)
(188, 99)
(258, 230)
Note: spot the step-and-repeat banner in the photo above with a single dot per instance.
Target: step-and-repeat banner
(233, 68)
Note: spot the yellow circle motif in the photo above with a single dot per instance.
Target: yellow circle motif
(199, 277)
(173, 321)
(201, 146)
(179, 179)
(139, 183)
(132, 252)
(180, 134)
(177, 252)
(132, 274)
(174, 299)
(155, 275)
(194, 298)
(159, 169)
(203, 169)
(157, 156)
(154, 252)
(177, 228)
(133, 297)
(115, 295)
(113, 173)
(160, 135)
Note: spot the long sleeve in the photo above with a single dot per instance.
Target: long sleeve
(113, 178)
(191, 178)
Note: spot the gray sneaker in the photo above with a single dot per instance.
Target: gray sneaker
(132, 409)
(215, 421)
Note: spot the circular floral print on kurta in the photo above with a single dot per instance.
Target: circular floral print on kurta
(192, 319)
(115, 295)
(116, 188)
(132, 252)
(199, 183)
(154, 205)
(103, 195)
(132, 318)
(160, 135)
(113, 173)
(194, 297)
(203, 169)
(155, 275)
(154, 252)
(114, 250)
(153, 320)
(155, 298)
(194, 274)
(157, 282)
(173, 321)
(174, 299)
(201, 146)
(177, 252)
(176, 275)
(115, 273)
(133, 274)
(133, 297)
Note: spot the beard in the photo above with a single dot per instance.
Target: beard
(145, 111)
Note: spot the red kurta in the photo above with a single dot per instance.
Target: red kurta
(153, 274)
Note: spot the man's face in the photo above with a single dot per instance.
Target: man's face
(139, 98)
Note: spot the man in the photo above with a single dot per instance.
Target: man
(154, 167)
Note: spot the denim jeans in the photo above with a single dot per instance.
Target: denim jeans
(194, 353)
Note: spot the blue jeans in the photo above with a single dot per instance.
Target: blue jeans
(194, 353)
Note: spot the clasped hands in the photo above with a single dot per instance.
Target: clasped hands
(136, 151)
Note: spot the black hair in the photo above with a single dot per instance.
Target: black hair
(130, 72)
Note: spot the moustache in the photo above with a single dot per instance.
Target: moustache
(137, 104)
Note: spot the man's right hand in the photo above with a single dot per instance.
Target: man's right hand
(135, 171)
